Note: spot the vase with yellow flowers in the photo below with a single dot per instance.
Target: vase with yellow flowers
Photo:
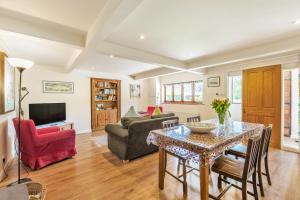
(221, 106)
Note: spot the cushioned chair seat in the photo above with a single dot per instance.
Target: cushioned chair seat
(230, 166)
(238, 150)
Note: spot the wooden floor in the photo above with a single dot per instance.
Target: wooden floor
(95, 173)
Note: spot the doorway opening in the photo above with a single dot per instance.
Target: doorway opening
(291, 110)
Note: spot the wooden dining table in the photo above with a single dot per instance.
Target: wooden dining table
(204, 148)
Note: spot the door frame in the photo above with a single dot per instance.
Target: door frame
(285, 148)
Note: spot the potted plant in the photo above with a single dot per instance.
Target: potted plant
(221, 106)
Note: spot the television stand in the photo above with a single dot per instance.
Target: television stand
(64, 125)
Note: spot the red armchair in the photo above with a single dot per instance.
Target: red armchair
(41, 147)
(151, 109)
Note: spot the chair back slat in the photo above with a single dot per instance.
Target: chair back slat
(194, 119)
(266, 140)
(170, 123)
(252, 156)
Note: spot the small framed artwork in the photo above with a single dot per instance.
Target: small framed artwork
(135, 90)
(58, 87)
(213, 81)
(7, 79)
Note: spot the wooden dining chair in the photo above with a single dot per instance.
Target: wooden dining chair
(170, 123)
(190, 119)
(194, 119)
(238, 170)
(240, 151)
(167, 125)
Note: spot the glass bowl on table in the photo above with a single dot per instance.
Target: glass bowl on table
(200, 127)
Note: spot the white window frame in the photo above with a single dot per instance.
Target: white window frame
(182, 93)
(230, 86)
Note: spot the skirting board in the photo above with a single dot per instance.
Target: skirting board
(84, 131)
(7, 165)
(290, 149)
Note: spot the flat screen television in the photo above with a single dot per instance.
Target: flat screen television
(45, 113)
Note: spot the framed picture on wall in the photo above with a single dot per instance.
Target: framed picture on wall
(213, 81)
(135, 90)
(7, 86)
(58, 87)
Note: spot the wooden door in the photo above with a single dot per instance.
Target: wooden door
(107, 116)
(262, 98)
(111, 116)
(100, 119)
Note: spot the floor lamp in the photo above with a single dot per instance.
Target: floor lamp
(20, 65)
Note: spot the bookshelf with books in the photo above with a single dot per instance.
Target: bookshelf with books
(105, 102)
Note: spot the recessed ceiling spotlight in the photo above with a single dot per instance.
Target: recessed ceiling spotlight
(142, 37)
(111, 56)
(296, 21)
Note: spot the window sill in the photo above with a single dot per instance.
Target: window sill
(184, 103)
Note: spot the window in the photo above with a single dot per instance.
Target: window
(177, 92)
(198, 87)
(235, 89)
(169, 93)
(186, 92)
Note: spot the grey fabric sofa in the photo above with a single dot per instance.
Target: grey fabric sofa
(131, 143)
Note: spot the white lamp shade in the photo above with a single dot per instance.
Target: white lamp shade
(18, 62)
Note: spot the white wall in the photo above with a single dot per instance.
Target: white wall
(7, 137)
(79, 103)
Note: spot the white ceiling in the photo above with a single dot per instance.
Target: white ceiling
(79, 14)
(179, 35)
(103, 63)
(185, 30)
(42, 52)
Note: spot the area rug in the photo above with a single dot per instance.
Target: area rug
(100, 141)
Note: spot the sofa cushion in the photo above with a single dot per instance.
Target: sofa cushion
(118, 131)
(162, 115)
(150, 109)
(131, 113)
(156, 111)
(126, 121)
